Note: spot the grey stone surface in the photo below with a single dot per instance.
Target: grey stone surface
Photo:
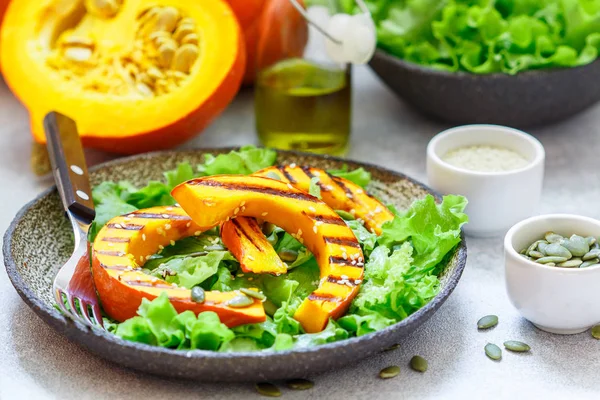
(37, 363)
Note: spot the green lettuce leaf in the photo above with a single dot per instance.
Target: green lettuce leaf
(247, 160)
(433, 229)
(485, 37)
(359, 176)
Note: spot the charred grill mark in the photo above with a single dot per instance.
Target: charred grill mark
(242, 231)
(343, 281)
(111, 253)
(258, 189)
(174, 217)
(308, 172)
(339, 182)
(342, 241)
(115, 239)
(346, 262)
(323, 297)
(149, 284)
(120, 267)
(326, 219)
(128, 227)
(288, 176)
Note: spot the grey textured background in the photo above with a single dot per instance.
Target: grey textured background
(37, 363)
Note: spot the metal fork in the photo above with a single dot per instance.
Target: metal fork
(73, 286)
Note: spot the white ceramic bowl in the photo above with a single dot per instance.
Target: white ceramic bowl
(497, 200)
(557, 300)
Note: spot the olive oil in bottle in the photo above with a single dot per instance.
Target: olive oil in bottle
(303, 105)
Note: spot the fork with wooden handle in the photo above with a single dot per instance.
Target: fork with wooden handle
(73, 286)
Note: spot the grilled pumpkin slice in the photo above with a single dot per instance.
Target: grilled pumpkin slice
(123, 246)
(338, 193)
(245, 240)
(211, 201)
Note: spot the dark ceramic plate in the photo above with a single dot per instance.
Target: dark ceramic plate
(39, 240)
(531, 98)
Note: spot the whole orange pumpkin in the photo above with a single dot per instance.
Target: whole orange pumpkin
(273, 30)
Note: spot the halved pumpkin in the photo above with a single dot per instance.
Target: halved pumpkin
(245, 240)
(213, 200)
(136, 75)
(122, 247)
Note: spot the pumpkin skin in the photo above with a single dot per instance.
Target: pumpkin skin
(114, 123)
(121, 249)
(273, 30)
(213, 200)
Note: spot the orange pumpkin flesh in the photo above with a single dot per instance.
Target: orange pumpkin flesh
(250, 247)
(338, 193)
(213, 200)
(122, 247)
(103, 92)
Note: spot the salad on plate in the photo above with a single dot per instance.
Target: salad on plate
(240, 254)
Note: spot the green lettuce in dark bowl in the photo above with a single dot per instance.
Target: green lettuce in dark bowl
(513, 62)
(410, 269)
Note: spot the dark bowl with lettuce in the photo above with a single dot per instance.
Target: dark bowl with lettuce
(521, 63)
(410, 270)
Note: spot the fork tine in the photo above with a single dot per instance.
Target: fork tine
(60, 301)
(74, 312)
(83, 306)
(97, 315)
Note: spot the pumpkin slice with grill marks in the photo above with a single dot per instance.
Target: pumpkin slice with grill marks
(338, 193)
(122, 247)
(245, 240)
(211, 201)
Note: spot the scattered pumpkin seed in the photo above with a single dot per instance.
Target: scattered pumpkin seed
(253, 293)
(389, 372)
(299, 384)
(288, 255)
(240, 301)
(198, 294)
(515, 345)
(492, 351)
(268, 389)
(545, 260)
(487, 322)
(392, 347)
(418, 363)
(596, 332)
